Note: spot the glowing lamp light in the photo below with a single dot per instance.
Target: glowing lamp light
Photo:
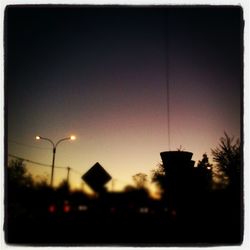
(72, 137)
(38, 137)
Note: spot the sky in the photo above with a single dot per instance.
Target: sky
(102, 73)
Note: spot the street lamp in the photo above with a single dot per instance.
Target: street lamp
(54, 145)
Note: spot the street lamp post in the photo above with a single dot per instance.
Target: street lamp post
(54, 145)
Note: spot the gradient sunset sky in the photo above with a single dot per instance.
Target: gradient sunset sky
(101, 73)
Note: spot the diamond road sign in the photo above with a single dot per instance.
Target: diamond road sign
(96, 177)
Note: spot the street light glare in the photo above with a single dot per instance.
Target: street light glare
(72, 137)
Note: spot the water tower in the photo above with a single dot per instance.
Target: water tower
(178, 167)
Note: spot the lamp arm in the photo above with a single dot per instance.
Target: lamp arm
(64, 139)
(47, 139)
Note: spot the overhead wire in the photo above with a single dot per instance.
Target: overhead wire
(34, 162)
(75, 171)
(26, 145)
(66, 168)
(167, 78)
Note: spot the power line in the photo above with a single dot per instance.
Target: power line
(69, 169)
(26, 145)
(167, 80)
(34, 162)
(75, 171)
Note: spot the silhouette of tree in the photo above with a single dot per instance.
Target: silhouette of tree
(64, 187)
(20, 187)
(229, 201)
(41, 181)
(204, 163)
(204, 170)
(140, 180)
(159, 178)
(17, 174)
(228, 158)
(138, 196)
(129, 188)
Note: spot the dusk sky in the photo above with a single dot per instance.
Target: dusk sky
(101, 74)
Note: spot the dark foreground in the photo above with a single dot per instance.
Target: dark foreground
(99, 224)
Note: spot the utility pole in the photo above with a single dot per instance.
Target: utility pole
(68, 170)
(113, 184)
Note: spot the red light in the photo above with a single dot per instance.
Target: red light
(52, 208)
(66, 208)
